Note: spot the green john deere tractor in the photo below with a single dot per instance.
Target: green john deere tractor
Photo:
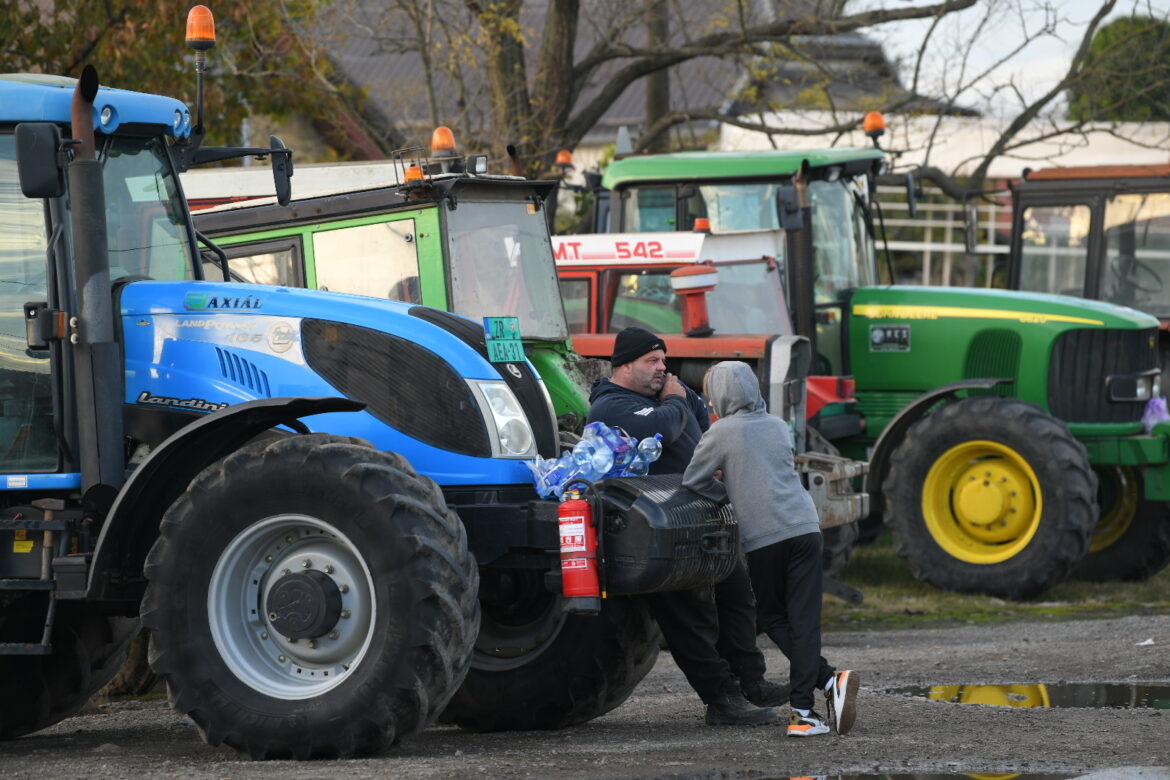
(1004, 430)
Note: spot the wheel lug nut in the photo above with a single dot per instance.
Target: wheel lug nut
(328, 569)
(289, 538)
(263, 634)
(312, 644)
(285, 572)
(334, 634)
(306, 564)
(281, 658)
(344, 589)
(345, 613)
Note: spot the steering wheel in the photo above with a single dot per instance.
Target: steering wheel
(1139, 275)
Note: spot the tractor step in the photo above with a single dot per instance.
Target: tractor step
(25, 648)
(19, 584)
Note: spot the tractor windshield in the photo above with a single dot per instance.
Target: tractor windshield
(27, 441)
(843, 250)
(502, 265)
(749, 298)
(1136, 267)
(145, 219)
(841, 236)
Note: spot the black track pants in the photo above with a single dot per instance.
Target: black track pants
(786, 578)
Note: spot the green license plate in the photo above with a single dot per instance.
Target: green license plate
(503, 339)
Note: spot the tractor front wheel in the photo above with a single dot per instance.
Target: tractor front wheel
(535, 667)
(309, 597)
(991, 495)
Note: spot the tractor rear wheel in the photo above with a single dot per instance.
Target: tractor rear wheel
(1131, 541)
(990, 495)
(310, 597)
(535, 667)
(40, 690)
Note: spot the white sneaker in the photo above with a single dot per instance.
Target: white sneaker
(806, 725)
(841, 699)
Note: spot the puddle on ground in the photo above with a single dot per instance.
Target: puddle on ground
(952, 776)
(1121, 695)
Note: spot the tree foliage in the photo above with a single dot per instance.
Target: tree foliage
(262, 64)
(1126, 73)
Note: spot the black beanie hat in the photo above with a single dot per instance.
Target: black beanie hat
(632, 343)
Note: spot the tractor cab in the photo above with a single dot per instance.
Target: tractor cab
(726, 192)
(433, 230)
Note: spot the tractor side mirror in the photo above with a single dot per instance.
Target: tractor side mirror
(971, 227)
(282, 170)
(911, 196)
(788, 208)
(37, 162)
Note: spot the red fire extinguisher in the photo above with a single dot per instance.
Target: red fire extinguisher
(579, 582)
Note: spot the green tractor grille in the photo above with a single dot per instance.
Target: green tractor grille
(1082, 360)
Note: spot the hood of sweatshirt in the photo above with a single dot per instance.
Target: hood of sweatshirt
(732, 387)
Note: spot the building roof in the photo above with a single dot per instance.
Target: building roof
(848, 73)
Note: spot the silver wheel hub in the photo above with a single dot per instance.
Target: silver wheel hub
(291, 606)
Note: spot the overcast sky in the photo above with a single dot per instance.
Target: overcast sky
(1052, 29)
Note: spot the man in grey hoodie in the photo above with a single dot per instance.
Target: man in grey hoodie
(780, 532)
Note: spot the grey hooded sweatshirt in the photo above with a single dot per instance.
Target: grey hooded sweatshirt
(754, 450)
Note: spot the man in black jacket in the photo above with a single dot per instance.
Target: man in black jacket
(711, 632)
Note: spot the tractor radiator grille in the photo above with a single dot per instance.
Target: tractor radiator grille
(243, 372)
(1082, 359)
(994, 354)
(409, 388)
(523, 385)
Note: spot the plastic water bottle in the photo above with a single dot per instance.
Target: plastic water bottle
(649, 450)
(592, 459)
(549, 475)
(622, 447)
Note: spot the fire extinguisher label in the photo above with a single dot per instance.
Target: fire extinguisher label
(573, 534)
(575, 563)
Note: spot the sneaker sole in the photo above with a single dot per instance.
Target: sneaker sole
(848, 709)
(806, 731)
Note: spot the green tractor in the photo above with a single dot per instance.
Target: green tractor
(1004, 430)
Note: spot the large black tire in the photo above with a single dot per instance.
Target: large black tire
(537, 668)
(1131, 541)
(309, 597)
(40, 690)
(991, 495)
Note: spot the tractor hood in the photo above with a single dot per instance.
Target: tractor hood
(423, 373)
(1012, 308)
(909, 340)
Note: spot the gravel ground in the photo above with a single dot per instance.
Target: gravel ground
(659, 731)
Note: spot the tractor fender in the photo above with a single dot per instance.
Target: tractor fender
(132, 524)
(891, 437)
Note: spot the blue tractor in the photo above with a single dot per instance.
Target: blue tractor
(316, 504)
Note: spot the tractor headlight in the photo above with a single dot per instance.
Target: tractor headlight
(510, 432)
(1134, 387)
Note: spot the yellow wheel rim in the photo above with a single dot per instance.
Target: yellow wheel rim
(981, 502)
(1118, 492)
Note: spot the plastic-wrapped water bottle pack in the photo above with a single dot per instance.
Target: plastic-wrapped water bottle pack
(602, 452)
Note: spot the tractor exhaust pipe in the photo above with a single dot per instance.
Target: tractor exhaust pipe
(97, 356)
